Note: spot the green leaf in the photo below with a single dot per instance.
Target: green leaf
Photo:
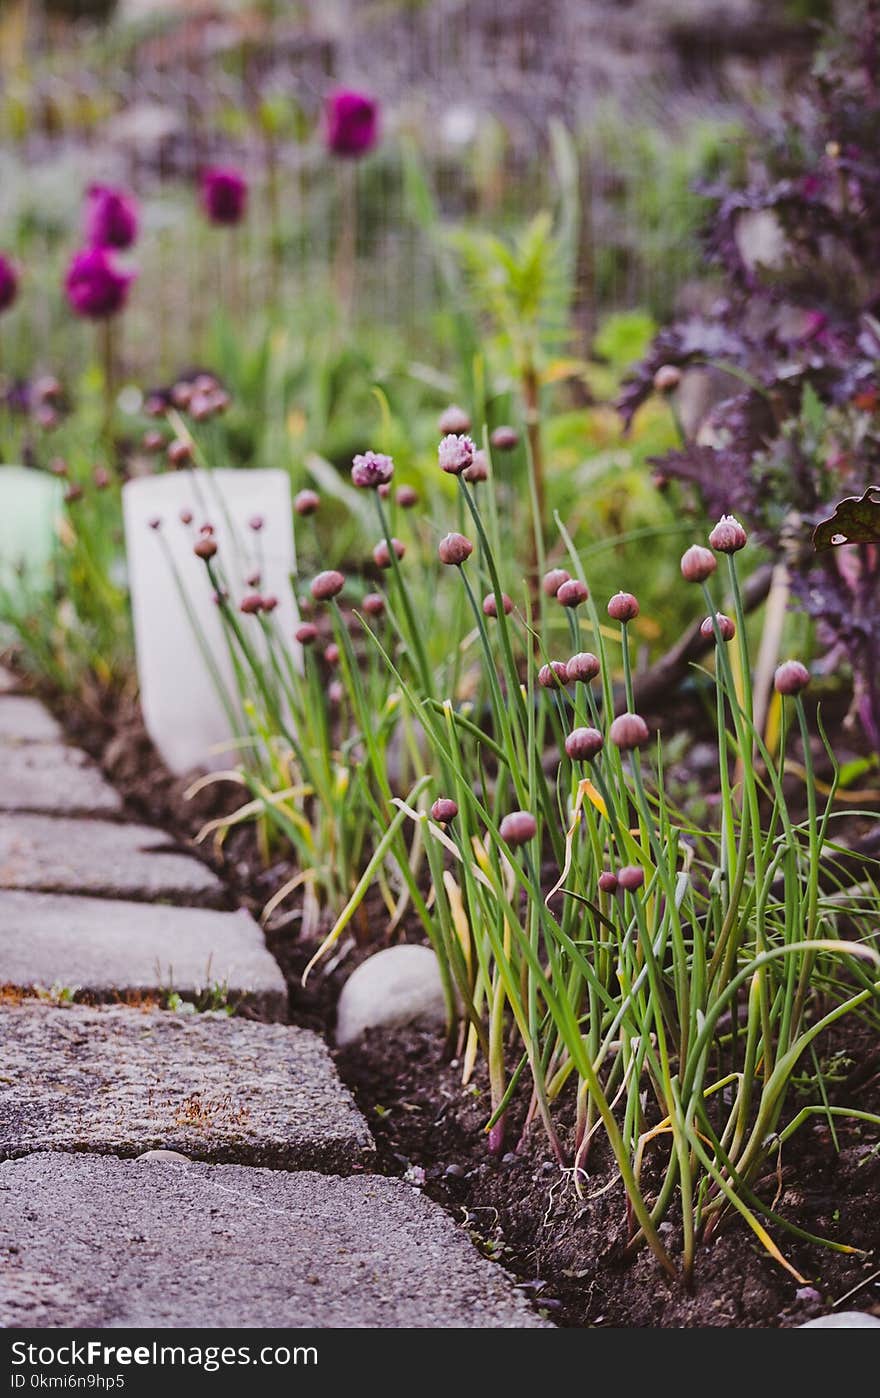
(855, 521)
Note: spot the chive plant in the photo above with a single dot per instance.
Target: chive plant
(598, 947)
(670, 978)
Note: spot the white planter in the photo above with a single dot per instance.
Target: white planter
(30, 506)
(183, 713)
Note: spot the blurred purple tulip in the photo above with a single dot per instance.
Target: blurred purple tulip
(224, 193)
(8, 282)
(352, 122)
(111, 217)
(96, 286)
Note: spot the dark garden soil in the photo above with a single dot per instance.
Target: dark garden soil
(520, 1208)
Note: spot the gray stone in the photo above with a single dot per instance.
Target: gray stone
(24, 720)
(91, 856)
(843, 1320)
(53, 780)
(122, 1081)
(105, 950)
(92, 1241)
(400, 985)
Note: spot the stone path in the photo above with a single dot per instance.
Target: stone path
(134, 1136)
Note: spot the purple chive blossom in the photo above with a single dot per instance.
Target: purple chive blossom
(478, 470)
(224, 194)
(518, 828)
(629, 731)
(791, 677)
(371, 470)
(631, 877)
(623, 607)
(96, 287)
(554, 675)
(8, 283)
(572, 593)
(444, 810)
(583, 667)
(111, 217)
(326, 585)
(490, 604)
(505, 438)
(453, 420)
(307, 502)
(306, 634)
(552, 581)
(382, 553)
(373, 604)
(697, 564)
(583, 744)
(726, 628)
(456, 453)
(728, 536)
(453, 549)
(351, 123)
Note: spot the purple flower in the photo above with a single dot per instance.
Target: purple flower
(352, 123)
(371, 470)
(8, 283)
(224, 193)
(456, 453)
(111, 217)
(96, 287)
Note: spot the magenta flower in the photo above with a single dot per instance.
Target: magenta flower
(111, 217)
(96, 286)
(224, 193)
(351, 123)
(8, 283)
(372, 469)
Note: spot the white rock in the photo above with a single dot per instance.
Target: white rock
(843, 1320)
(165, 1157)
(400, 985)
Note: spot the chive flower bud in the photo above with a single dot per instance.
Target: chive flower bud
(155, 522)
(205, 547)
(697, 564)
(552, 581)
(256, 523)
(382, 554)
(456, 453)
(490, 604)
(583, 667)
(224, 193)
(407, 496)
(454, 549)
(607, 881)
(726, 627)
(153, 442)
(371, 469)
(307, 502)
(179, 453)
(454, 420)
(444, 810)
(629, 731)
(270, 602)
(553, 676)
(583, 744)
(186, 516)
(728, 536)
(572, 593)
(623, 607)
(351, 123)
(306, 634)
(518, 828)
(181, 393)
(478, 470)
(73, 493)
(791, 677)
(373, 604)
(331, 653)
(505, 438)
(326, 585)
(251, 604)
(631, 877)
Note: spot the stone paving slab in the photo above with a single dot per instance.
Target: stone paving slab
(93, 1241)
(51, 779)
(106, 949)
(24, 720)
(58, 855)
(121, 1081)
